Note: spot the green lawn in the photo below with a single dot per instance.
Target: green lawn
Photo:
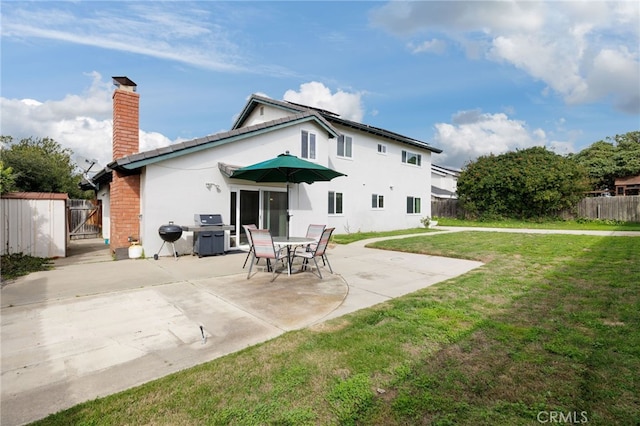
(591, 225)
(548, 325)
(582, 224)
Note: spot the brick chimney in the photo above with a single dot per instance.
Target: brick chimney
(125, 188)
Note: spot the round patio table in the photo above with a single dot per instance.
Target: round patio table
(292, 242)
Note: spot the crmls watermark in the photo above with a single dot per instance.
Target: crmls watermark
(572, 417)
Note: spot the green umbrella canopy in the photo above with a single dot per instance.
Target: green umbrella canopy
(286, 168)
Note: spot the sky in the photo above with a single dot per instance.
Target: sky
(471, 78)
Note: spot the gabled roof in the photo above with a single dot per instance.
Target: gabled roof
(442, 193)
(445, 170)
(132, 163)
(142, 159)
(334, 118)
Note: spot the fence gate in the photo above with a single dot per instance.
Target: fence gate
(85, 218)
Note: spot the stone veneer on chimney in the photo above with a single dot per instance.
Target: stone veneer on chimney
(125, 189)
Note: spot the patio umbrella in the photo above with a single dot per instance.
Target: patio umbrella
(286, 168)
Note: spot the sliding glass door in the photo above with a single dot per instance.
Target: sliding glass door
(275, 212)
(266, 209)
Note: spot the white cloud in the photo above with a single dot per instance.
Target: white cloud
(315, 94)
(179, 32)
(82, 123)
(584, 51)
(432, 46)
(454, 16)
(473, 133)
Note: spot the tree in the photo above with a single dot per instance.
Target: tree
(41, 165)
(7, 179)
(529, 183)
(610, 159)
(627, 156)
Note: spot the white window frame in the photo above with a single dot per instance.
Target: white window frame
(382, 149)
(406, 156)
(377, 201)
(308, 145)
(412, 200)
(345, 143)
(333, 203)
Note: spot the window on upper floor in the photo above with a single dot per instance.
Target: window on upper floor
(345, 146)
(409, 157)
(308, 145)
(377, 201)
(335, 202)
(413, 205)
(382, 148)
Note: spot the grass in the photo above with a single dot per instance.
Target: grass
(548, 324)
(584, 224)
(18, 264)
(357, 236)
(581, 224)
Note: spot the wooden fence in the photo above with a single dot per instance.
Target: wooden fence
(625, 209)
(85, 218)
(446, 208)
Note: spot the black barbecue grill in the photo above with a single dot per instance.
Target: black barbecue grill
(170, 234)
(208, 234)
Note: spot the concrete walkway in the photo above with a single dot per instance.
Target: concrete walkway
(92, 326)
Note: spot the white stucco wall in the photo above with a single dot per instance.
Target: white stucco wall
(176, 189)
(103, 195)
(264, 113)
(370, 172)
(444, 181)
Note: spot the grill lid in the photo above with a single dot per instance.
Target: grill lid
(170, 232)
(207, 219)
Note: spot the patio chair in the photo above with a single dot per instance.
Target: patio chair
(263, 248)
(246, 231)
(315, 232)
(320, 251)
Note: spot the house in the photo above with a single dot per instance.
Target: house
(444, 182)
(387, 184)
(629, 185)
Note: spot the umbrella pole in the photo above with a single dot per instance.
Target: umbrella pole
(288, 215)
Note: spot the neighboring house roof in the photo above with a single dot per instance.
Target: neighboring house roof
(256, 100)
(445, 170)
(442, 193)
(36, 196)
(629, 180)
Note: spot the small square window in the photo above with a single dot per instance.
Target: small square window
(335, 202)
(345, 146)
(382, 149)
(308, 145)
(409, 157)
(413, 205)
(377, 201)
